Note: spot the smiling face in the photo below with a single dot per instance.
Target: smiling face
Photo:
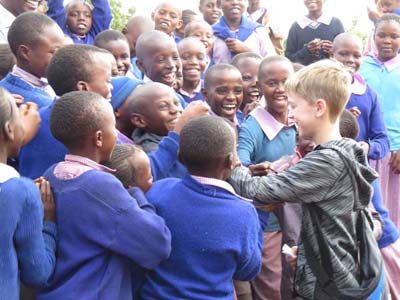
(303, 114)
(120, 51)
(272, 85)
(194, 59)
(248, 67)
(224, 95)
(161, 62)
(233, 9)
(18, 7)
(389, 6)
(205, 34)
(79, 18)
(387, 40)
(210, 10)
(314, 6)
(349, 53)
(100, 82)
(167, 18)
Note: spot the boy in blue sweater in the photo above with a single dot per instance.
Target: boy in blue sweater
(216, 234)
(78, 20)
(33, 39)
(103, 228)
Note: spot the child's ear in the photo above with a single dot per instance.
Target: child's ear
(140, 66)
(204, 92)
(138, 120)
(23, 52)
(230, 161)
(320, 108)
(8, 131)
(82, 86)
(180, 23)
(152, 16)
(98, 138)
(124, 30)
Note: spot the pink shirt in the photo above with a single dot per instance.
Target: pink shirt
(40, 83)
(74, 166)
(259, 42)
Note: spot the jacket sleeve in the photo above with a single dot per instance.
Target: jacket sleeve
(246, 144)
(307, 181)
(35, 242)
(56, 11)
(379, 144)
(165, 157)
(101, 16)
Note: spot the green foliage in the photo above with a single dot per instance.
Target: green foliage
(356, 30)
(120, 15)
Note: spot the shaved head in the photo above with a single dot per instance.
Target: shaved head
(152, 40)
(346, 38)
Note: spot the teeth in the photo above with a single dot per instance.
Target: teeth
(229, 106)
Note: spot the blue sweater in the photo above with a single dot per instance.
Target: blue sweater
(386, 84)
(254, 147)
(298, 38)
(44, 151)
(197, 96)
(16, 85)
(102, 231)
(27, 247)
(371, 123)
(215, 238)
(101, 18)
(390, 233)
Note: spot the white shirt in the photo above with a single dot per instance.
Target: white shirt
(6, 19)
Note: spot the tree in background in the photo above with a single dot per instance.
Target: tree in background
(120, 14)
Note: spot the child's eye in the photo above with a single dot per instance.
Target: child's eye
(272, 84)
(200, 57)
(246, 78)
(394, 36)
(88, 15)
(221, 91)
(238, 91)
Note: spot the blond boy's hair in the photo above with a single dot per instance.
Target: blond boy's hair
(326, 80)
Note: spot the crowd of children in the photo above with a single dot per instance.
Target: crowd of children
(194, 156)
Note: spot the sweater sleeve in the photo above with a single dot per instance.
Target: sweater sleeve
(379, 144)
(246, 144)
(35, 242)
(56, 11)
(295, 52)
(136, 233)
(101, 16)
(307, 181)
(165, 157)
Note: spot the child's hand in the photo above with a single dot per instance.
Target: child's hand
(326, 47)
(47, 199)
(290, 255)
(314, 46)
(372, 14)
(260, 169)
(193, 110)
(365, 147)
(395, 161)
(30, 119)
(236, 46)
(18, 99)
(355, 111)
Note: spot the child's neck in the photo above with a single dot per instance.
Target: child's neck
(314, 15)
(3, 153)
(91, 154)
(233, 24)
(209, 174)
(281, 118)
(385, 59)
(124, 128)
(327, 132)
(25, 66)
(190, 86)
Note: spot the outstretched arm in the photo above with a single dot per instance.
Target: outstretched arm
(56, 11)
(101, 16)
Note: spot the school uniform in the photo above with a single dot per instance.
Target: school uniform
(304, 31)
(371, 123)
(33, 89)
(216, 237)
(323, 184)
(195, 95)
(103, 230)
(262, 138)
(27, 244)
(101, 18)
(383, 78)
(254, 35)
(135, 69)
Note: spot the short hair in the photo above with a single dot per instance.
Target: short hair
(194, 24)
(387, 18)
(148, 40)
(7, 60)
(272, 59)
(187, 16)
(242, 56)
(27, 29)
(107, 36)
(348, 125)
(297, 66)
(204, 140)
(73, 2)
(77, 115)
(346, 36)
(169, 3)
(191, 41)
(6, 109)
(325, 79)
(71, 64)
(216, 70)
(120, 161)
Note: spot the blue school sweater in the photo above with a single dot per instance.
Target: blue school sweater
(298, 38)
(371, 123)
(27, 246)
(16, 85)
(197, 96)
(386, 85)
(101, 18)
(216, 237)
(254, 147)
(135, 69)
(390, 233)
(102, 231)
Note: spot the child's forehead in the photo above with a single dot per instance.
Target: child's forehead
(201, 28)
(248, 63)
(226, 77)
(169, 7)
(193, 46)
(389, 25)
(163, 48)
(275, 68)
(78, 6)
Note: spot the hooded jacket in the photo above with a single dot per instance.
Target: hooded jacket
(333, 183)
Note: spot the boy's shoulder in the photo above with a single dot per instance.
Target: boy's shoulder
(21, 189)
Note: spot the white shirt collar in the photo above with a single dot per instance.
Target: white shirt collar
(323, 19)
(7, 172)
